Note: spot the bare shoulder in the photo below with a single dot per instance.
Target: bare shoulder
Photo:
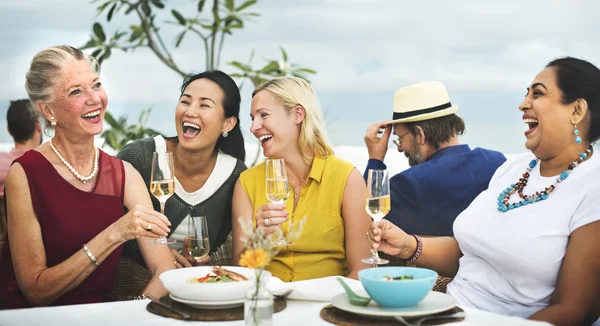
(16, 174)
(355, 179)
(130, 172)
(133, 179)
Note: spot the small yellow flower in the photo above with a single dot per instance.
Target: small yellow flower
(256, 258)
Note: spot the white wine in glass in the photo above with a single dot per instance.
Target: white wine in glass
(162, 183)
(197, 240)
(378, 204)
(278, 188)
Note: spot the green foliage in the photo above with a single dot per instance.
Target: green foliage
(210, 27)
(121, 134)
(271, 70)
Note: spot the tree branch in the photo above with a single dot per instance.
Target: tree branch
(162, 44)
(205, 41)
(215, 30)
(220, 48)
(152, 44)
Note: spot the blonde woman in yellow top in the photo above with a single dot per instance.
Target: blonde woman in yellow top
(328, 191)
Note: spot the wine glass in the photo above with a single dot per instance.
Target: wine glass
(197, 242)
(278, 189)
(378, 204)
(162, 183)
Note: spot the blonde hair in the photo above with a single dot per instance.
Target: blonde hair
(291, 92)
(44, 72)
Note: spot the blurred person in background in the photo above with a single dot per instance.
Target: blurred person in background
(444, 175)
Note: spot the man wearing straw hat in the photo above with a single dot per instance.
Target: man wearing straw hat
(444, 176)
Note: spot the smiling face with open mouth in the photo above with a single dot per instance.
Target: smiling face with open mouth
(276, 130)
(200, 117)
(547, 119)
(79, 100)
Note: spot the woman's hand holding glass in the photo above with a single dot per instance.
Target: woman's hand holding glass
(197, 243)
(278, 191)
(390, 239)
(142, 222)
(271, 216)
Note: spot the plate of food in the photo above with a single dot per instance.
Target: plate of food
(210, 283)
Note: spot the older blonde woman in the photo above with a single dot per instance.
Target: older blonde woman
(288, 122)
(66, 199)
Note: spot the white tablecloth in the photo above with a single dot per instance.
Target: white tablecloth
(131, 313)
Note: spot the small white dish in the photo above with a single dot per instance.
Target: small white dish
(209, 304)
(433, 303)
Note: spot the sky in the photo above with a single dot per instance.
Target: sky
(485, 52)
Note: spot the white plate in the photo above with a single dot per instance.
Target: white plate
(433, 303)
(209, 304)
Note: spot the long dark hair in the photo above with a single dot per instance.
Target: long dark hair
(577, 79)
(233, 144)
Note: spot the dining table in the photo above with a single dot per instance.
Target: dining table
(134, 312)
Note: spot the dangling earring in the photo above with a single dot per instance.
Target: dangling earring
(225, 134)
(576, 133)
(52, 123)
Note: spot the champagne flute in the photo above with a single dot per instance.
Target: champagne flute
(162, 183)
(197, 241)
(378, 204)
(278, 189)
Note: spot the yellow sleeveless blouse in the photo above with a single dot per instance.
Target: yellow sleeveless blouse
(320, 249)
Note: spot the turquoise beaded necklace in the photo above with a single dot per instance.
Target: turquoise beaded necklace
(503, 198)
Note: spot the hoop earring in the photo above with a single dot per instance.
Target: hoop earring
(576, 133)
(225, 134)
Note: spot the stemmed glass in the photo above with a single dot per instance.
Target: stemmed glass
(278, 189)
(378, 204)
(162, 183)
(197, 242)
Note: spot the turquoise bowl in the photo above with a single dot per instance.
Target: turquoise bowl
(397, 293)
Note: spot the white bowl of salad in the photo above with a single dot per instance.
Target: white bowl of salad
(210, 283)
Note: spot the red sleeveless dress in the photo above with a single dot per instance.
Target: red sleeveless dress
(69, 218)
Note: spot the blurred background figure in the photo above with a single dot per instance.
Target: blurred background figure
(444, 175)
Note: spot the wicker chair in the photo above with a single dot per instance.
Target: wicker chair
(133, 277)
(439, 286)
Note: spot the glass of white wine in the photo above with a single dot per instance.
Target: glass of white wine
(197, 240)
(378, 204)
(278, 189)
(162, 183)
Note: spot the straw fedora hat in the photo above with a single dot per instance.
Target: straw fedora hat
(422, 101)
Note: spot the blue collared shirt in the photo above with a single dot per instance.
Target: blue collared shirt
(426, 198)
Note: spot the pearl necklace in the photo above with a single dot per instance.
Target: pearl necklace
(505, 206)
(81, 178)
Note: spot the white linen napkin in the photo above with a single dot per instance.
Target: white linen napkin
(318, 289)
